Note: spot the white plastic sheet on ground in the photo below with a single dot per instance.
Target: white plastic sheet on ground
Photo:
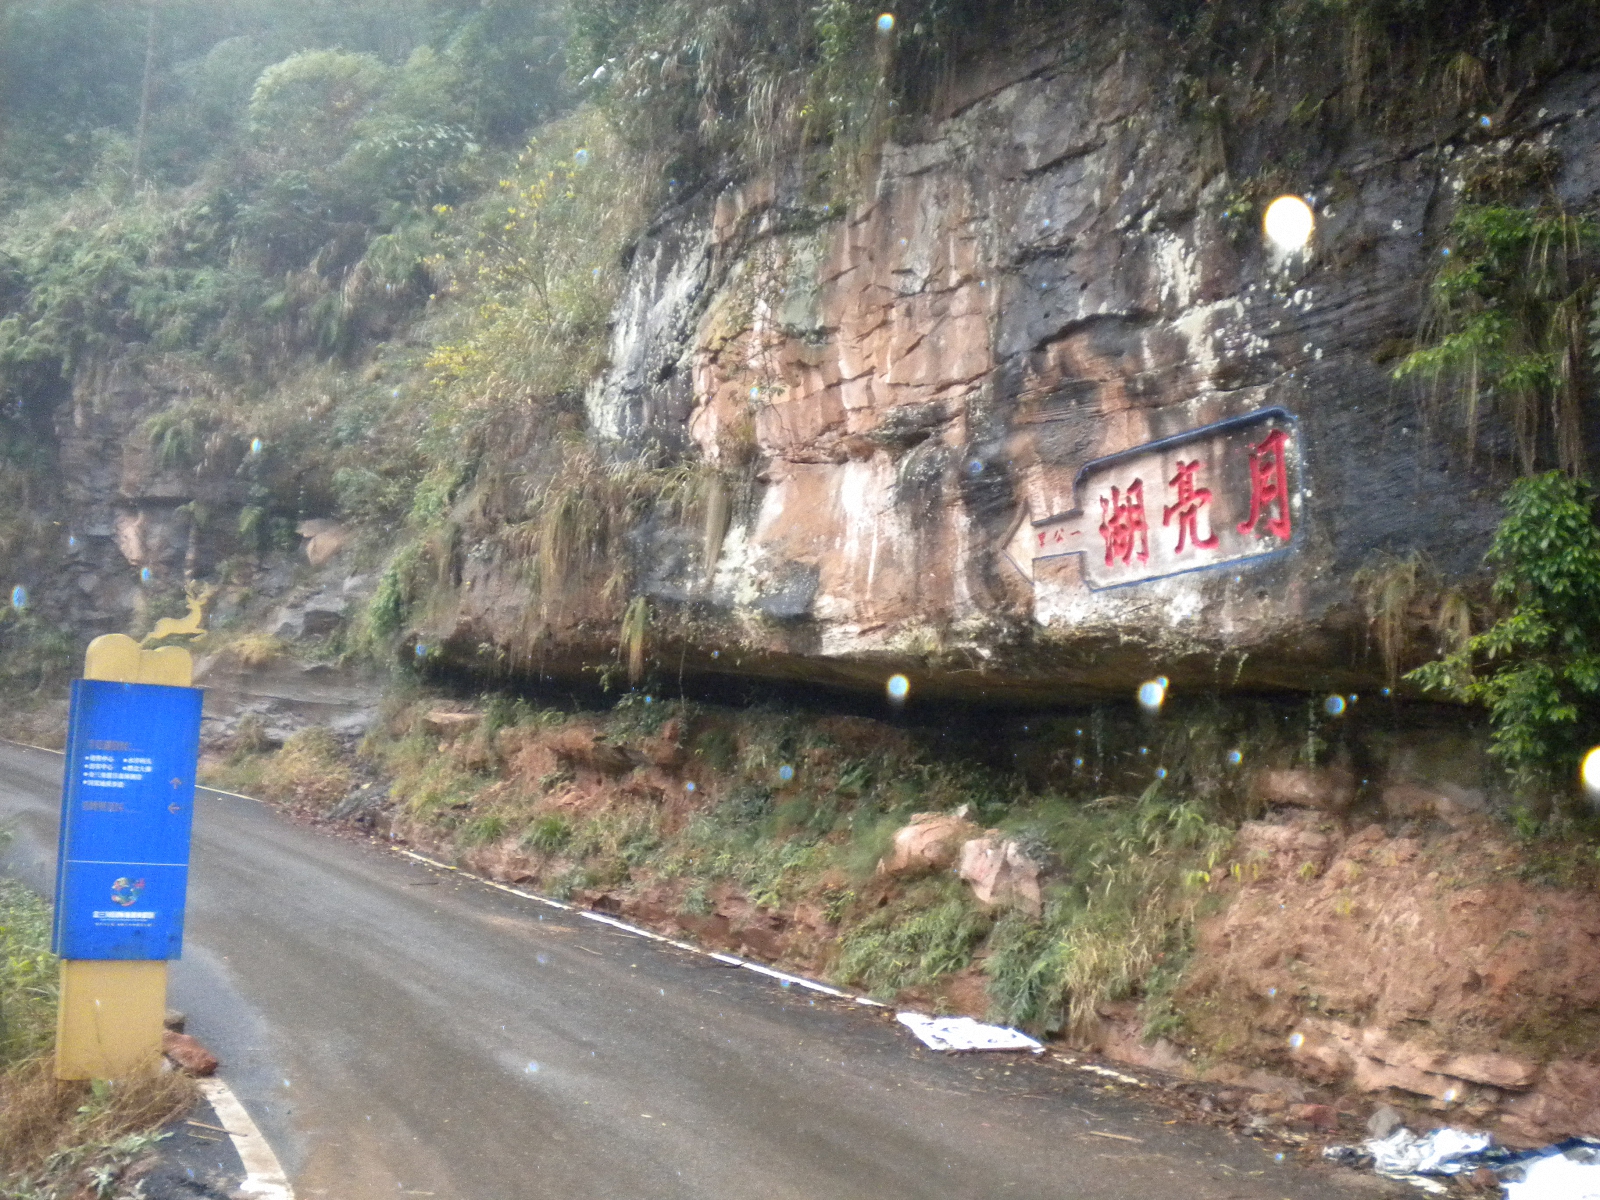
(1568, 1170)
(1556, 1178)
(963, 1033)
(1442, 1152)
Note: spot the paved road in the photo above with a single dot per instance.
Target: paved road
(397, 1031)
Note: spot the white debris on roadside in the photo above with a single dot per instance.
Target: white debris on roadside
(1568, 1170)
(1556, 1177)
(1106, 1072)
(963, 1033)
(1442, 1152)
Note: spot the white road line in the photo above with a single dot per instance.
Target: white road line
(729, 959)
(264, 1175)
(31, 746)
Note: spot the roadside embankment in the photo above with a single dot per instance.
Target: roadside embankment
(1185, 894)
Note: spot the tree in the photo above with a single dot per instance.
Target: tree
(1537, 669)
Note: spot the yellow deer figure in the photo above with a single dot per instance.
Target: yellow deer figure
(186, 627)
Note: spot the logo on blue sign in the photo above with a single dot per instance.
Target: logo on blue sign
(126, 892)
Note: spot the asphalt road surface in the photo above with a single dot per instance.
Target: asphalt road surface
(399, 1031)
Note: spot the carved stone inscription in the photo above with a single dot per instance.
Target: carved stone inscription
(1216, 495)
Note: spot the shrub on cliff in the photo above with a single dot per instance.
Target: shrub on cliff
(1537, 669)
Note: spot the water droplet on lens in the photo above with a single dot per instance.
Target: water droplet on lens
(899, 687)
(689, 787)
(649, 700)
(421, 650)
(1485, 121)
(1077, 762)
(1161, 772)
(975, 467)
(1591, 771)
(1289, 222)
(581, 158)
(1235, 758)
(1334, 706)
(1153, 695)
(1384, 691)
(1143, 750)
(886, 23)
(786, 772)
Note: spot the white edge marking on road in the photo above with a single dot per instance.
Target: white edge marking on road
(622, 925)
(603, 919)
(797, 979)
(31, 746)
(263, 1175)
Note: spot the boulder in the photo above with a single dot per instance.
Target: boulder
(323, 614)
(1408, 799)
(1384, 1121)
(188, 1053)
(1328, 789)
(451, 724)
(1000, 873)
(932, 842)
(289, 624)
(324, 539)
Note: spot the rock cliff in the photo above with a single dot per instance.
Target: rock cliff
(1049, 302)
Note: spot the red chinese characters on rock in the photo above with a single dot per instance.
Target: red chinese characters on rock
(1187, 508)
(1269, 486)
(1122, 525)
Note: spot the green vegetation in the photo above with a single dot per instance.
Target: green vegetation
(1507, 327)
(1537, 669)
(789, 815)
(913, 943)
(28, 982)
(59, 1140)
(1132, 875)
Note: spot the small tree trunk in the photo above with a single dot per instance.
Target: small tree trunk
(144, 92)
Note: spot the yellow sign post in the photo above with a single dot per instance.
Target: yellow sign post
(110, 1019)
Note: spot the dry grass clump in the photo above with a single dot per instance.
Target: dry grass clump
(254, 650)
(310, 771)
(56, 1136)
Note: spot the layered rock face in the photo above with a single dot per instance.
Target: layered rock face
(1046, 306)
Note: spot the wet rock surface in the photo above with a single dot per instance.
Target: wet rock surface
(1046, 275)
(931, 842)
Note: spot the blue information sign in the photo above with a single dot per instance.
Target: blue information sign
(127, 804)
